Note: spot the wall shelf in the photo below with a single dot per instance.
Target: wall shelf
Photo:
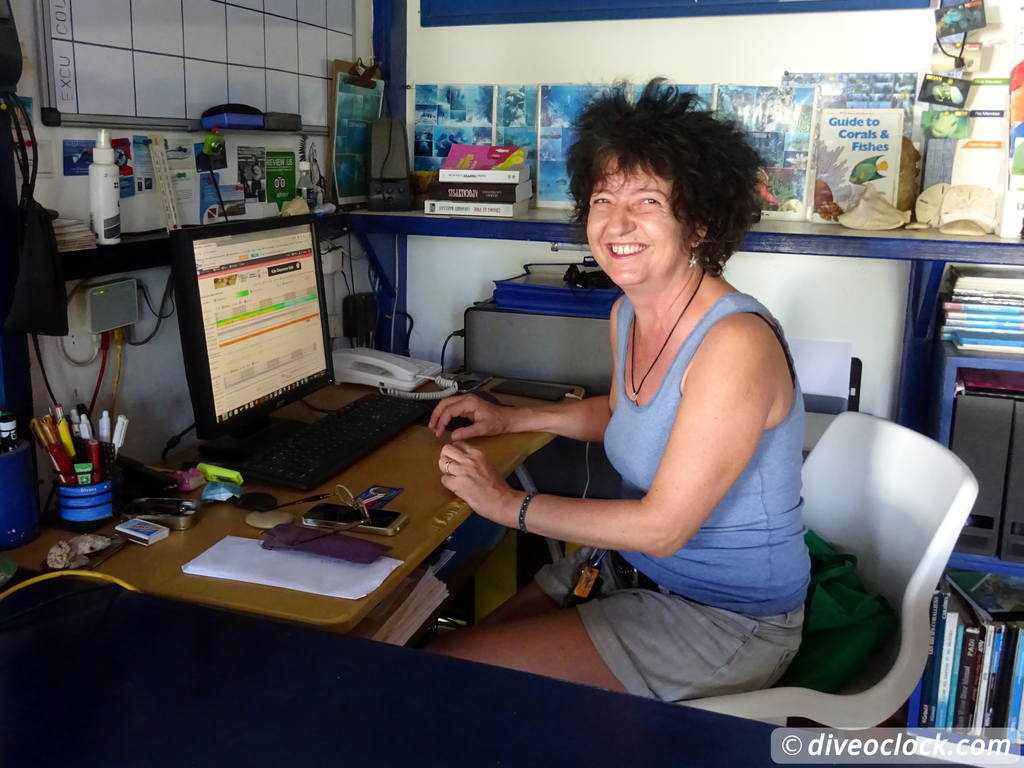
(553, 225)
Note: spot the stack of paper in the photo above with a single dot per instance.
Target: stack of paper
(241, 559)
(409, 607)
(73, 235)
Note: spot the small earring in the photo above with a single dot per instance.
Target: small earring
(693, 260)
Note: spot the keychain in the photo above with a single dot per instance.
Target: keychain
(588, 578)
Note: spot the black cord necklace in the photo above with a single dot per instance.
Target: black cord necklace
(632, 352)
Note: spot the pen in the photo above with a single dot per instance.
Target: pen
(103, 427)
(75, 419)
(60, 460)
(97, 460)
(64, 432)
(120, 429)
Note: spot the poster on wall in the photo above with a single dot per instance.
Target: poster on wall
(516, 120)
(779, 123)
(355, 109)
(447, 115)
(862, 90)
(560, 105)
(704, 92)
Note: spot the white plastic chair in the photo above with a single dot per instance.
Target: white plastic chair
(897, 500)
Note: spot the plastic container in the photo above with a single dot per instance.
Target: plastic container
(542, 288)
(104, 192)
(19, 502)
(304, 186)
(85, 503)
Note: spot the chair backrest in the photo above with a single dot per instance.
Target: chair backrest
(885, 493)
(897, 500)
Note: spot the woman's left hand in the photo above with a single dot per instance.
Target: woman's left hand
(466, 472)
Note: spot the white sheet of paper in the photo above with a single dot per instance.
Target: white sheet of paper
(823, 367)
(241, 559)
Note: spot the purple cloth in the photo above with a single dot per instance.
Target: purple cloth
(319, 542)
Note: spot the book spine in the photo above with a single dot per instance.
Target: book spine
(948, 643)
(1013, 707)
(926, 678)
(476, 193)
(954, 679)
(1001, 309)
(981, 675)
(469, 209)
(967, 681)
(940, 647)
(1004, 683)
(993, 678)
(493, 177)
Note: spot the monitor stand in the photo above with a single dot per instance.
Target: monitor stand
(240, 446)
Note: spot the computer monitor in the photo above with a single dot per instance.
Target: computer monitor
(253, 320)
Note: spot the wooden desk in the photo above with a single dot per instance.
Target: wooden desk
(409, 461)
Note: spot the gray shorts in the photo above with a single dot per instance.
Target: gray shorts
(670, 648)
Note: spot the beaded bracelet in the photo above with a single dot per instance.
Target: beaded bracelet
(522, 510)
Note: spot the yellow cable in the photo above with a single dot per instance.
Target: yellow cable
(119, 349)
(72, 572)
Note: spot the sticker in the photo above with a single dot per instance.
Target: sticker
(947, 91)
(378, 495)
(77, 156)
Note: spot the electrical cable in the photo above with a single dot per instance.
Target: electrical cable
(118, 357)
(104, 351)
(42, 370)
(216, 186)
(391, 343)
(70, 572)
(958, 58)
(167, 295)
(316, 408)
(460, 332)
(172, 443)
(586, 461)
(77, 363)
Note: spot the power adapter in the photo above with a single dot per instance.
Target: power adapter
(358, 315)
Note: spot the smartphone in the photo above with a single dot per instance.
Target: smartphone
(383, 522)
(535, 389)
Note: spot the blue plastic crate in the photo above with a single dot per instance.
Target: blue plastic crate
(542, 289)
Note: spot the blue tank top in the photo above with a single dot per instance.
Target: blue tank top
(749, 555)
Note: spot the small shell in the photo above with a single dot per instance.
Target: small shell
(87, 543)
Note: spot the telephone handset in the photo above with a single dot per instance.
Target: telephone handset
(392, 374)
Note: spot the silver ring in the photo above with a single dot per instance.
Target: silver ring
(447, 463)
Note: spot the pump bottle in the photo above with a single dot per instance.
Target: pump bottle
(104, 192)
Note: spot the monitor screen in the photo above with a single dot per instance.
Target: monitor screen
(253, 322)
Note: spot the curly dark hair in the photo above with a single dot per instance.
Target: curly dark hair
(712, 168)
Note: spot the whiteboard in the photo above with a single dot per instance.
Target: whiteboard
(161, 63)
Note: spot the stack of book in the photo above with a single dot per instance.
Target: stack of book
(481, 181)
(986, 313)
(73, 235)
(974, 677)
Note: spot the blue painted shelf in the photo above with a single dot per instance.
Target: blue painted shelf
(552, 225)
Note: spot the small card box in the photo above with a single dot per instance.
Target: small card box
(142, 531)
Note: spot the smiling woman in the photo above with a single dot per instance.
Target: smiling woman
(702, 562)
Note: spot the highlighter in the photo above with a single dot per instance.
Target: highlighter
(213, 473)
(64, 432)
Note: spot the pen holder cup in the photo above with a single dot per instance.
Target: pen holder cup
(86, 506)
(19, 501)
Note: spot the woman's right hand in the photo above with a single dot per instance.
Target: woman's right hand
(487, 418)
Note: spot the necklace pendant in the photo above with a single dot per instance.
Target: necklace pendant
(635, 396)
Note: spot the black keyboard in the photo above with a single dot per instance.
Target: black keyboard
(313, 454)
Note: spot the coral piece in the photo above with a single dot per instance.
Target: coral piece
(829, 211)
(87, 543)
(968, 209)
(874, 212)
(929, 204)
(906, 187)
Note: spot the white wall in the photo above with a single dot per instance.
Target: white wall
(855, 300)
(153, 391)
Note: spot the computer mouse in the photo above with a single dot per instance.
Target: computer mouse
(457, 422)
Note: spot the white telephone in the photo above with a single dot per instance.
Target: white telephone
(391, 374)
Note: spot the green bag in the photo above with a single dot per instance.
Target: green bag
(843, 624)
